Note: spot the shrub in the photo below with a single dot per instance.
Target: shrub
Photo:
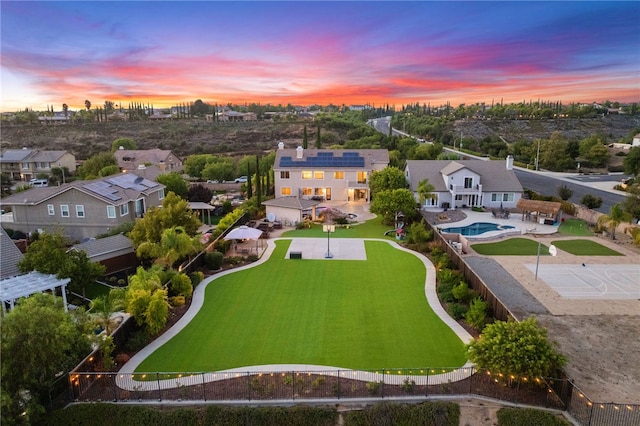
(591, 201)
(477, 313)
(462, 292)
(252, 258)
(176, 301)
(426, 413)
(457, 310)
(373, 387)
(408, 385)
(568, 208)
(418, 233)
(196, 278)
(180, 285)
(213, 260)
(529, 416)
(137, 340)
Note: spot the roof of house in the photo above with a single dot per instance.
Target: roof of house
(292, 203)
(135, 157)
(47, 156)
(15, 155)
(103, 246)
(493, 174)
(115, 190)
(331, 158)
(10, 257)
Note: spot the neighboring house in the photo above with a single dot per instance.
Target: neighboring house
(115, 252)
(466, 183)
(326, 174)
(636, 140)
(130, 160)
(237, 116)
(25, 164)
(10, 256)
(84, 209)
(15, 285)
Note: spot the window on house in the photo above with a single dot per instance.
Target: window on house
(64, 210)
(284, 175)
(495, 197)
(124, 209)
(458, 197)
(362, 177)
(318, 175)
(338, 175)
(79, 210)
(25, 165)
(507, 196)
(307, 174)
(468, 182)
(161, 194)
(306, 191)
(285, 191)
(51, 210)
(111, 212)
(319, 192)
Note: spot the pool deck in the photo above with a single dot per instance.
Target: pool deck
(515, 219)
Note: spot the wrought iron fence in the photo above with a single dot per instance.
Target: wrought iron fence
(399, 383)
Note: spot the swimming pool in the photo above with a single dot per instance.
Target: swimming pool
(477, 228)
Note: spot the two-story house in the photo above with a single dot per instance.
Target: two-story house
(26, 164)
(130, 160)
(466, 183)
(326, 174)
(84, 209)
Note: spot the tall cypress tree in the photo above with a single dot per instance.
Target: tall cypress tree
(305, 140)
(318, 140)
(258, 183)
(249, 185)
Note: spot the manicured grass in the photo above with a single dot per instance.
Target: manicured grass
(95, 290)
(577, 227)
(354, 314)
(370, 229)
(511, 247)
(585, 248)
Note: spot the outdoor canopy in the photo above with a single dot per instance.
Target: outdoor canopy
(244, 233)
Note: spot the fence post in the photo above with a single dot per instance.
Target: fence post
(159, 389)
(114, 386)
(204, 388)
(426, 389)
(293, 386)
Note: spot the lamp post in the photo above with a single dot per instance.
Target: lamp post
(328, 229)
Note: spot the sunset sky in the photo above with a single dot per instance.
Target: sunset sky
(166, 53)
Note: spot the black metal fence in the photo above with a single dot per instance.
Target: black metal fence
(289, 386)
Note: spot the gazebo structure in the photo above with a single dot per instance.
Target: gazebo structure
(202, 208)
(12, 289)
(245, 233)
(543, 212)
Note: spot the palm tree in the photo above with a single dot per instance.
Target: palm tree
(65, 108)
(87, 103)
(425, 191)
(615, 217)
(103, 307)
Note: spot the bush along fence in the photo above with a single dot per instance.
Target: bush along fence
(392, 384)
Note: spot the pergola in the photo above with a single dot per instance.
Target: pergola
(535, 209)
(12, 289)
(202, 208)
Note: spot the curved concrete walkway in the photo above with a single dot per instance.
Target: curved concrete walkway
(126, 381)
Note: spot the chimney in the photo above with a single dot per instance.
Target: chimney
(509, 162)
(280, 145)
(299, 152)
(162, 165)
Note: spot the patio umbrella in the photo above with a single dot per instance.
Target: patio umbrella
(243, 233)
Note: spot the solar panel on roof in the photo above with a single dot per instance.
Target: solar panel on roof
(104, 190)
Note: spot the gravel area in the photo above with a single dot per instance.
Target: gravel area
(508, 289)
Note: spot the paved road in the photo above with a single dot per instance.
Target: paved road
(548, 184)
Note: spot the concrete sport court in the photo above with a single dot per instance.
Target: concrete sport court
(585, 281)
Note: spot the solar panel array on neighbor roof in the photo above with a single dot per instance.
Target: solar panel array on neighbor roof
(325, 159)
(109, 188)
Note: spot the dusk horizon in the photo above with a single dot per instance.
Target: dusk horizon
(306, 53)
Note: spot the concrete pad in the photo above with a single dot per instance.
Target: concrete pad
(340, 248)
(591, 281)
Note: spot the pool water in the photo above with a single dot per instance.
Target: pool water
(477, 228)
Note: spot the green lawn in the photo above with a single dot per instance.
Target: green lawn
(370, 229)
(577, 227)
(585, 248)
(354, 314)
(512, 246)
